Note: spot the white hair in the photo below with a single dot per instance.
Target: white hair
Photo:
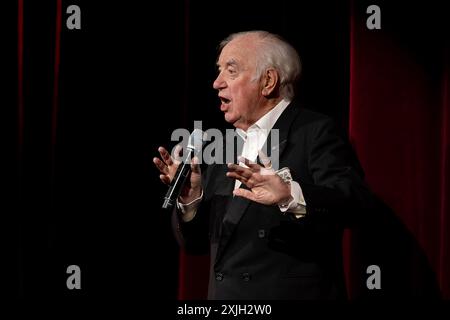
(274, 52)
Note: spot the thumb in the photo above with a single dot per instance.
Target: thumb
(265, 160)
(240, 192)
(195, 167)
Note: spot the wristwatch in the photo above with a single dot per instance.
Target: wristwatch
(285, 175)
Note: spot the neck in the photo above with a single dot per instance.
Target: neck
(264, 109)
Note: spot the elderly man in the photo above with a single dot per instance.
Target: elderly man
(271, 233)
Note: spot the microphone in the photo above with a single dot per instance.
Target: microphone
(195, 144)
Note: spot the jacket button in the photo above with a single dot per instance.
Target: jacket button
(261, 233)
(219, 276)
(246, 276)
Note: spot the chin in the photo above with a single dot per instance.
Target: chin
(230, 119)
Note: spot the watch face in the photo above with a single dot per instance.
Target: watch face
(284, 174)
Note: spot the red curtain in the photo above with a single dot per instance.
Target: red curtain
(193, 277)
(399, 125)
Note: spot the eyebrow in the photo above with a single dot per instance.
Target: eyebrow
(229, 63)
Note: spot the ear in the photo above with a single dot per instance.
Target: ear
(270, 82)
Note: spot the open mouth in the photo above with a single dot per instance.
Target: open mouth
(224, 100)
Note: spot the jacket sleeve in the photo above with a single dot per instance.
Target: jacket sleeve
(193, 236)
(338, 191)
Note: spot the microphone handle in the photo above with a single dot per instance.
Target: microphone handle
(177, 184)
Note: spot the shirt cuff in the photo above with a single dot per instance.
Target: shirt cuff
(188, 210)
(297, 205)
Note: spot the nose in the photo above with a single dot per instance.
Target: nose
(219, 83)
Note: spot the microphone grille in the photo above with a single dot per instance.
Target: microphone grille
(197, 139)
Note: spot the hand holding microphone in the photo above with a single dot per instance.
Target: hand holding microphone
(183, 177)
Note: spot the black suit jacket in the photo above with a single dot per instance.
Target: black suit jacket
(259, 253)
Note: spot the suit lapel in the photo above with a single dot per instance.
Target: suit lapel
(239, 205)
(223, 185)
(277, 142)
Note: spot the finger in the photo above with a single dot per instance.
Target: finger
(165, 156)
(246, 172)
(161, 166)
(177, 154)
(164, 178)
(248, 182)
(254, 166)
(245, 194)
(236, 176)
(195, 167)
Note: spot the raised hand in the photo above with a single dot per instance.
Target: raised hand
(264, 185)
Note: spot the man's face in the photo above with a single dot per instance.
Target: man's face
(240, 94)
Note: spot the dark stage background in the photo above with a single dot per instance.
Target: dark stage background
(90, 107)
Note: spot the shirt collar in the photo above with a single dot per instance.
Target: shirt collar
(268, 120)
